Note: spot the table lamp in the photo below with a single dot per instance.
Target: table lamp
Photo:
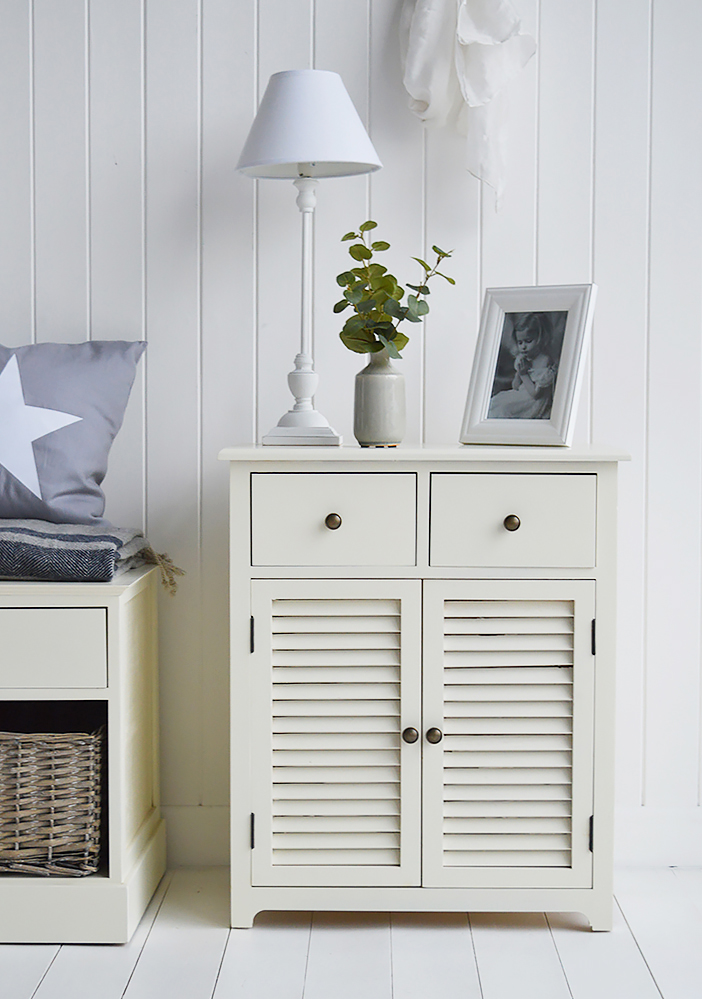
(306, 127)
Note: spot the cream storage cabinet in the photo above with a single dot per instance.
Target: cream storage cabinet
(422, 679)
(75, 657)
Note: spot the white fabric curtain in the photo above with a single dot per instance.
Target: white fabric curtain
(458, 56)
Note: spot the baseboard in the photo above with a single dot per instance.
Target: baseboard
(197, 836)
(655, 837)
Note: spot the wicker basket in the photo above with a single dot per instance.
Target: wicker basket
(50, 803)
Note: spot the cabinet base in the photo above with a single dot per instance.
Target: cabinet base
(81, 910)
(595, 906)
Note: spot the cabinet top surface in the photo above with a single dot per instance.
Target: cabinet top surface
(458, 453)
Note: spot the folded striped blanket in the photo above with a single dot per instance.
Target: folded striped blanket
(76, 553)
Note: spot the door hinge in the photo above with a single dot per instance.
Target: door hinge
(253, 833)
(590, 837)
(251, 634)
(593, 637)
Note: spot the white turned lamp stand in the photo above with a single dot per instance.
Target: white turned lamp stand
(303, 424)
(306, 127)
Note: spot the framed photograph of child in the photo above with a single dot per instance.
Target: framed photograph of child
(528, 365)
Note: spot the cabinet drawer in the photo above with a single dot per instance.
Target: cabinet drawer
(556, 520)
(377, 511)
(53, 647)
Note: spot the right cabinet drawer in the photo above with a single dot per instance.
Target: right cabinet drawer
(513, 520)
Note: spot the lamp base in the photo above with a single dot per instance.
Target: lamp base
(296, 436)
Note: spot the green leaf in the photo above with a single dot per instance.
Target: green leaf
(361, 341)
(378, 270)
(349, 235)
(422, 262)
(360, 252)
(423, 289)
(343, 279)
(340, 306)
(354, 324)
(380, 245)
(441, 253)
(368, 225)
(446, 277)
(400, 340)
(390, 347)
(394, 309)
(354, 295)
(367, 306)
(422, 308)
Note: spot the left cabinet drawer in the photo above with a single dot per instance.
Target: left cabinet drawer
(290, 525)
(53, 647)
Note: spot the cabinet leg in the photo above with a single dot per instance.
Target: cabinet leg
(242, 917)
(600, 916)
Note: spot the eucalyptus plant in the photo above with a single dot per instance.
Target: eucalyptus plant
(375, 296)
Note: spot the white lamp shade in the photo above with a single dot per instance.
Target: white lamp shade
(307, 126)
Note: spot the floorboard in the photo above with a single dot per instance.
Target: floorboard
(85, 971)
(182, 956)
(667, 926)
(516, 956)
(432, 955)
(601, 965)
(184, 949)
(22, 967)
(349, 957)
(269, 960)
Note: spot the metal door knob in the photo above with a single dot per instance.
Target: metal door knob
(434, 735)
(512, 522)
(410, 735)
(333, 521)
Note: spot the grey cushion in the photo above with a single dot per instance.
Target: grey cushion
(56, 474)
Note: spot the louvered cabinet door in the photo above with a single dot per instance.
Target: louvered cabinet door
(336, 680)
(509, 680)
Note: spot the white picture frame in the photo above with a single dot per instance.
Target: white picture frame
(528, 366)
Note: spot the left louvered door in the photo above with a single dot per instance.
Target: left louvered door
(335, 674)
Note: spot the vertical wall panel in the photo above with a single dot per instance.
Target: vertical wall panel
(117, 227)
(621, 337)
(60, 125)
(173, 397)
(228, 339)
(16, 189)
(509, 233)
(452, 222)
(285, 42)
(397, 191)
(673, 629)
(341, 44)
(564, 254)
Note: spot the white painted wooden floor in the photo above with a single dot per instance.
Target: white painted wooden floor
(184, 950)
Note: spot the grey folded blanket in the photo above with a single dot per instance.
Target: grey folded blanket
(77, 553)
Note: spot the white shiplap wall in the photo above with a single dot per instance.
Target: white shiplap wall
(121, 216)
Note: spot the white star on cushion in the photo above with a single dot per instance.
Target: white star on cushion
(21, 424)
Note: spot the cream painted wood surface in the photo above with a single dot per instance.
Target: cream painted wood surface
(53, 647)
(105, 907)
(556, 520)
(122, 217)
(289, 511)
(514, 737)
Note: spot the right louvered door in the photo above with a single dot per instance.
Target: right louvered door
(335, 676)
(509, 679)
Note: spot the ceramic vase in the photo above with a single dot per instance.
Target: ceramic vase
(379, 403)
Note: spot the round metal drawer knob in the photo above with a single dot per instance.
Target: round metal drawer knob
(333, 521)
(512, 522)
(410, 735)
(434, 735)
